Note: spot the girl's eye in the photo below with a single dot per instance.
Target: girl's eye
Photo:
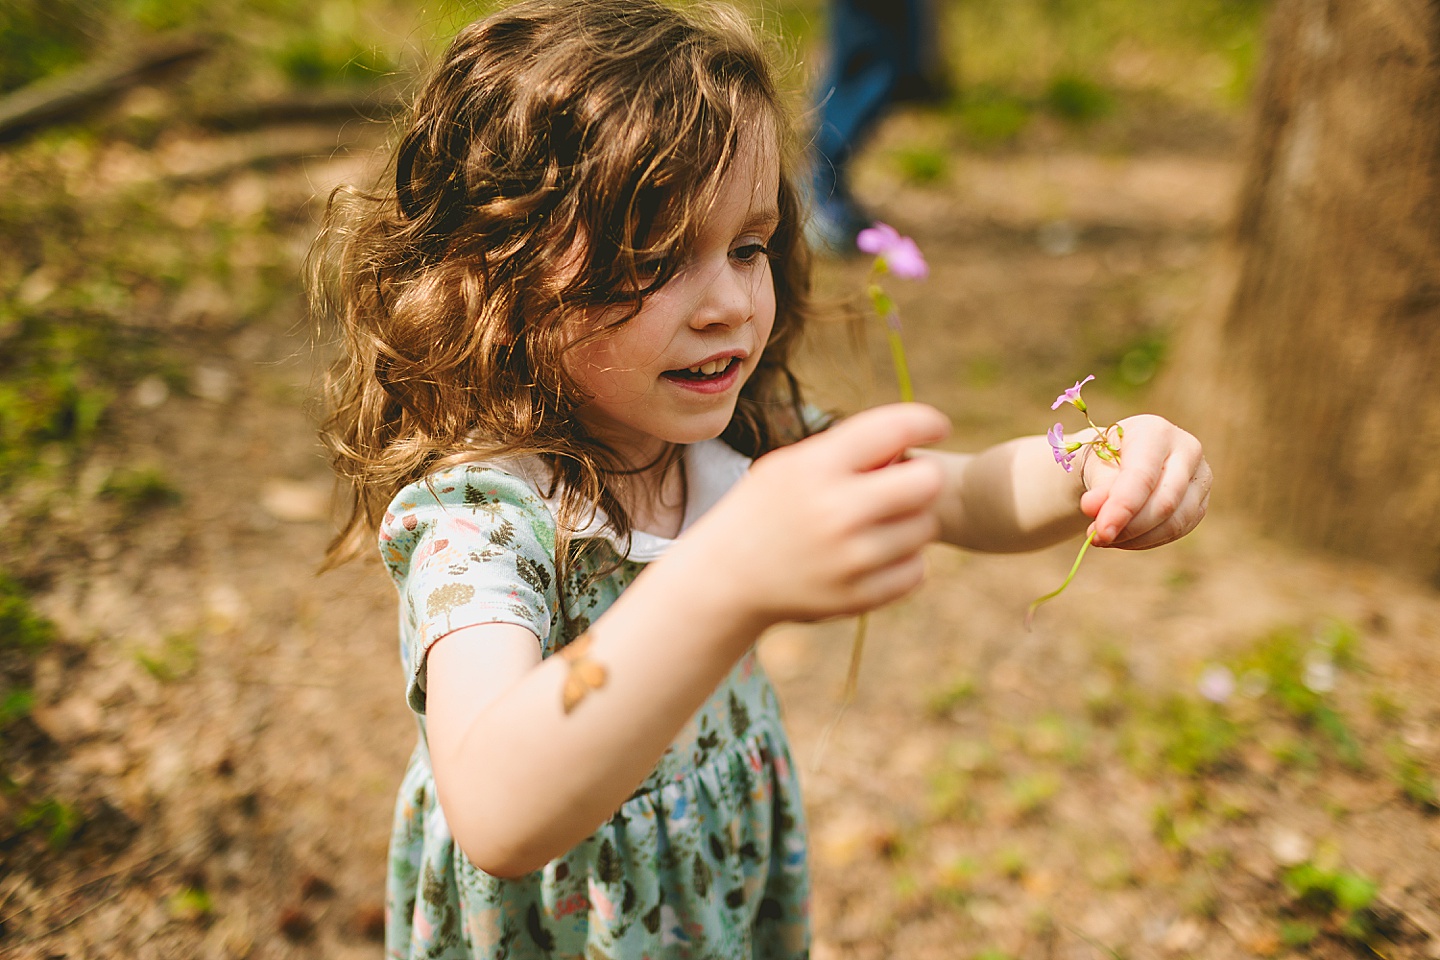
(750, 252)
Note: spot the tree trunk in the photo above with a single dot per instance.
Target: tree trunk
(1316, 379)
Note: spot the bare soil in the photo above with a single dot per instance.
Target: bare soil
(232, 726)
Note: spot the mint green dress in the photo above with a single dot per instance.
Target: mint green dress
(707, 859)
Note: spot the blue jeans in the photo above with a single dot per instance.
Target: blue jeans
(881, 52)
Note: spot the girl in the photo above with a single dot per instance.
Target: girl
(567, 333)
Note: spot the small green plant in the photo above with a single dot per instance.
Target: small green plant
(312, 61)
(1299, 677)
(1110, 869)
(15, 704)
(990, 117)
(57, 819)
(1197, 738)
(1030, 794)
(1056, 737)
(177, 657)
(140, 488)
(1295, 752)
(1176, 829)
(1012, 863)
(36, 41)
(1386, 708)
(922, 165)
(1297, 933)
(20, 626)
(1141, 359)
(904, 885)
(1078, 99)
(1415, 782)
(956, 881)
(993, 953)
(1344, 896)
(191, 903)
(957, 693)
(951, 795)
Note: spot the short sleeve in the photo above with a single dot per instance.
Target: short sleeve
(466, 546)
(817, 420)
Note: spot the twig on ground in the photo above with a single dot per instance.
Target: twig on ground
(67, 96)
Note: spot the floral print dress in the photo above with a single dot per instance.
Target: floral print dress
(707, 859)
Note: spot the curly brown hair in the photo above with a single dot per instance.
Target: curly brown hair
(550, 133)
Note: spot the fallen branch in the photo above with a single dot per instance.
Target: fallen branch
(69, 95)
(364, 103)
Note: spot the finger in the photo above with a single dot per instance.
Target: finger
(1143, 464)
(889, 583)
(876, 437)
(1176, 479)
(1190, 511)
(896, 490)
(889, 543)
(1185, 518)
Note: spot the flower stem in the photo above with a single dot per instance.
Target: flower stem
(852, 679)
(902, 369)
(852, 684)
(1030, 613)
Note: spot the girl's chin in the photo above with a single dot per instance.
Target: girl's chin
(643, 441)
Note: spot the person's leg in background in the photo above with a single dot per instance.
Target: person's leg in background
(881, 52)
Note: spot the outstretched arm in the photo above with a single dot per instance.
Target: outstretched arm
(828, 526)
(1015, 497)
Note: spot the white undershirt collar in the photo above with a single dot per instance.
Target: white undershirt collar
(712, 467)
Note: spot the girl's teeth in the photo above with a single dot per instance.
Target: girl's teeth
(711, 368)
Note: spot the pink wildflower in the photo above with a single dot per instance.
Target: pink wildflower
(1217, 683)
(1072, 395)
(901, 254)
(1062, 450)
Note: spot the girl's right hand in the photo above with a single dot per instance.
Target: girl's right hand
(830, 526)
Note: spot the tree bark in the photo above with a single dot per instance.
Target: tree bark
(1314, 378)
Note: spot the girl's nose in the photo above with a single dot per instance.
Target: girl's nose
(728, 299)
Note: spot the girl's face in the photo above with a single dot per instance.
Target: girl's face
(673, 372)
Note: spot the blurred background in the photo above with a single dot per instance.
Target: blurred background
(1225, 210)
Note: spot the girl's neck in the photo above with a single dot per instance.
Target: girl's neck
(655, 497)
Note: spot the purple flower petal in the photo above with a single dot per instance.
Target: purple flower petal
(901, 254)
(1056, 436)
(1072, 394)
(905, 260)
(1216, 683)
(878, 239)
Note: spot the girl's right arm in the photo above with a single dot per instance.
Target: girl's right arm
(814, 530)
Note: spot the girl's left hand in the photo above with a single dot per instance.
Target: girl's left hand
(1157, 493)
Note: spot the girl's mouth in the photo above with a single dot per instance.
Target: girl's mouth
(712, 376)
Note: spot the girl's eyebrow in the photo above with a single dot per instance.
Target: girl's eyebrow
(767, 217)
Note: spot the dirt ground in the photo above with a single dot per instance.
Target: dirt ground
(234, 725)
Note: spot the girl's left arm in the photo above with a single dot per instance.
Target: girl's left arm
(1015, 497)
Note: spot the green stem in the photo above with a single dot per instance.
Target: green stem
(902, 369)
(1030, 613)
